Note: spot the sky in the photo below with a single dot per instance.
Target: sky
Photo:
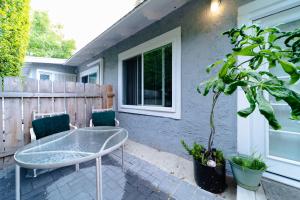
(84, 20)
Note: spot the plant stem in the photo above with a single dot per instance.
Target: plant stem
(212, 124)
(244, 62)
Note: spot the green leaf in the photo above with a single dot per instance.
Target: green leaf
(256, 62)
(208, 85)
(247, 51)
(220, 85)
(290, 38)
(290, 69)
(210, 67)
(289, 96)
(251, 99)
(223, 71)
(296, 45)
(233, 86)
(229, 63)
(266, 110)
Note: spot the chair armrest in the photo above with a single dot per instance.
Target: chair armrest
(91, 123)
(72, 126)
(32, 135)
(117, 122)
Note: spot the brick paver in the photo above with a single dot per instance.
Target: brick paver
(140, 181)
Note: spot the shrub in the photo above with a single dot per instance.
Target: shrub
(14, 30)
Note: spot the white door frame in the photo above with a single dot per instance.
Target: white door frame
(245, 126)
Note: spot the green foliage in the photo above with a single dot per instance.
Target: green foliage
(252, 162)
(261, 50)
(46, 40)
(14, 29)
(200, 154)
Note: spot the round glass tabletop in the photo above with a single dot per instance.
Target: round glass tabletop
(70, 147)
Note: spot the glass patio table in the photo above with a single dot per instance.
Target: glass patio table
(70, 148)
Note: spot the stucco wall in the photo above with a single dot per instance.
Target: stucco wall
(202, 44)
(30, 69)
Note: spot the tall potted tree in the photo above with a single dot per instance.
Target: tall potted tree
(256, 50)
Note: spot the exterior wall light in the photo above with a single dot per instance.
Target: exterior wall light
(215, 5)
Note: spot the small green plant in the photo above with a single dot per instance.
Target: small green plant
(252, 162)
(200, 153)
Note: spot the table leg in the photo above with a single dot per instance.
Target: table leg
(77, 167)
(98, 179)
(18, 189)
(123, 157)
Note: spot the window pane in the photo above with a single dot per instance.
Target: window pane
(93, 78)
(84, 79)
(44, 77)
(290, 132)
(158, 77)
(132, 81)
(168, 76)
(278, 145)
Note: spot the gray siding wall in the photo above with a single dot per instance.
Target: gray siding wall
(30, 69)
(202, 44)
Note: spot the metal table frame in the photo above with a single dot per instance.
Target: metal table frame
(98, 167)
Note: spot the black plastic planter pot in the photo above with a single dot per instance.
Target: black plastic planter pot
(212, 179)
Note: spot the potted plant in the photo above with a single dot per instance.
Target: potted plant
(209, 171)
(255, 51)
(247, 170)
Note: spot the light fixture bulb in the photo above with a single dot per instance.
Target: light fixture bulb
(215, 5)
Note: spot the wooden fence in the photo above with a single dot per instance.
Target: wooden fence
(20, 97)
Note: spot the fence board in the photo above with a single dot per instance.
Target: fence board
(80, 107)
(46, 104)
(59, 103)
(13, 135)
(29, 106)
(89, 89)
(71, 102)
(108, 95)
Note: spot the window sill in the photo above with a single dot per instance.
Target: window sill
(151, 111)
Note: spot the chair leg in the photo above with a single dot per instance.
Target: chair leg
(18, 185)
(123, 157)
(98, 179)
(34, 173)
(77, 167)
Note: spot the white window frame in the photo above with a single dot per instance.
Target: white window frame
(51, 72)
(245, 126)
(172, 37)
(94, 67)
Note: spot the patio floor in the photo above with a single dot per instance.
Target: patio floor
(140, 181)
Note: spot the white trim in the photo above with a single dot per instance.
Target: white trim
(262, 8)
(174, 37)
(51, 73)
(247, 14)
(282, 179)
(33, 59)
(94, 67)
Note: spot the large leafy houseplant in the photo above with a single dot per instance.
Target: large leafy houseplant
(261, 50)
(256, 50)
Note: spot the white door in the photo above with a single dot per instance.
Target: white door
(281, 148)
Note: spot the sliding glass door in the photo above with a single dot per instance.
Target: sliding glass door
(281, 147)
